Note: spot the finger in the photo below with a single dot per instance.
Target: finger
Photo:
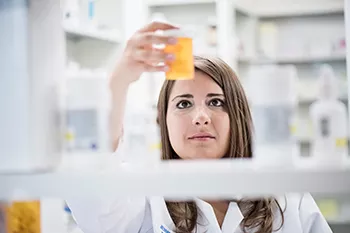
(154, 26)
(153, 68)
(152, 56)
(149, 38)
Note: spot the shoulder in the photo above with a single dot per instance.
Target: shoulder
(292, 200)
(298, 204)
(300, 211)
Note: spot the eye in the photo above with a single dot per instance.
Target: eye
(184, 104)
(216, 103)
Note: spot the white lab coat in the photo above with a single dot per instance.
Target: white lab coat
(150, 215)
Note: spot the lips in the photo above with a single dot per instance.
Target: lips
(201, 136)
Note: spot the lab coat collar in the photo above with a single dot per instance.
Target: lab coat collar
(162, 222)
(207, 217)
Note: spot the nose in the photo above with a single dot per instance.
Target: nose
(201, 117)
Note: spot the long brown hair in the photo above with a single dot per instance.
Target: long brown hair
(258, 214)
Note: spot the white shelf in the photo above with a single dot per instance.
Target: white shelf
(307, 140)
(289, 8)
(263, 9)
(308, 101)
(88, 76)
(195, 178)
(83, 33)
(293, 60)
(159, 3)
(339, 221)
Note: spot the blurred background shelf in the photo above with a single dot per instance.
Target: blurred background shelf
(339, 221)
(290, 8)
(308, 101)
(155, 3)
(79, 33)
(263, 9)
(294, 60)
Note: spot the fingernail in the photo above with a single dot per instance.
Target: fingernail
(165, 68)
(170, 57)
(172, 40)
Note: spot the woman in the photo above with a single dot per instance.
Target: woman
(207, 117)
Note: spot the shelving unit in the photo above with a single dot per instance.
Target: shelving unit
(300, 27)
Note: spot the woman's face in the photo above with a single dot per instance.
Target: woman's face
(197, 120)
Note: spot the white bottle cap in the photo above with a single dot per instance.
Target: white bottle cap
(159, 17)
(327, 83)
(212, 21)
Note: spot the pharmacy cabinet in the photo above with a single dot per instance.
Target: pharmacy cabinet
(307, 42)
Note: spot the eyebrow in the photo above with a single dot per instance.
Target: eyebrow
(191, 96)
(214, 95)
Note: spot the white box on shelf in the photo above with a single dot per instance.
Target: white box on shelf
(268, 42)
(86, 111)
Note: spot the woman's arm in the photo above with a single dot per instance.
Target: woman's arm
(100, 214)
(138, 56)
(118, 95)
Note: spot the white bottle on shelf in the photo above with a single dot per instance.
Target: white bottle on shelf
(329, 144)
(273, 99)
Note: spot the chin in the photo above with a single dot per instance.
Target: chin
(203, 155)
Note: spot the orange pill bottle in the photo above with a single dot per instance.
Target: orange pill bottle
(182, 68)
